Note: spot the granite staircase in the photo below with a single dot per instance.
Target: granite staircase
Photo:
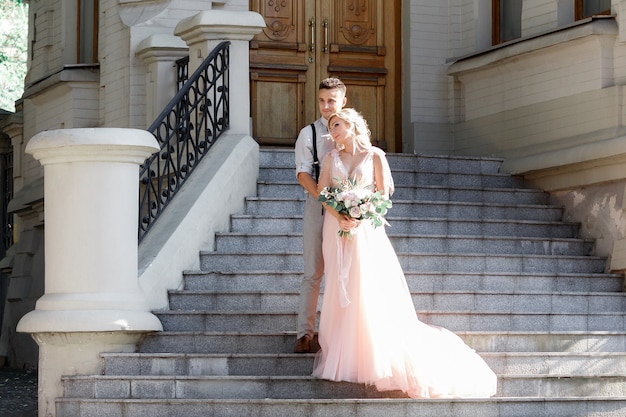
(484, 256)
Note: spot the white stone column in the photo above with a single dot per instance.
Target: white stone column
(92, 302)
(160, 53)
(205, 30)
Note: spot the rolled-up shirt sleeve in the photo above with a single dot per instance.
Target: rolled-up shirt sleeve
(304, 152)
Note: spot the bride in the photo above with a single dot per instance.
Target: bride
(369, 332)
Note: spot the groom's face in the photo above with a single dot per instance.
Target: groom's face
(330, 101)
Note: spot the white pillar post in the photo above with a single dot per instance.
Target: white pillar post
(160, 53)
(205, 30)
(92, 302)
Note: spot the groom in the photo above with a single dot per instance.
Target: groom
(312, 145)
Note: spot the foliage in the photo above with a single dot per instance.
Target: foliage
(357, 201)
(13, 51)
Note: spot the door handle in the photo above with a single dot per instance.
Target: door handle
(325, 47)
(312, 26)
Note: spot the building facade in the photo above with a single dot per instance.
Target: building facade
(539, 83)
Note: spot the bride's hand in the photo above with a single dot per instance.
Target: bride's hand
(347, 223)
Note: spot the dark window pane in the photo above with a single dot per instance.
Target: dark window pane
(87, 31)
(591, 7)
(510, 19)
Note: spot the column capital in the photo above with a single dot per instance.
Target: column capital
(92, 144)
(161, 47)
(220, 25)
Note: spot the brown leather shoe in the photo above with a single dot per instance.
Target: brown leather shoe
(303, 345)
(315, 346)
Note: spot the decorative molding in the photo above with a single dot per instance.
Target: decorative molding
(357, 9)
(277, 5)
(134, 12)
(279, 19)
(277, 30)
(356, 34)
(356, 21)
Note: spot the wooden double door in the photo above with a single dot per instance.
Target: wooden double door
(306, 41)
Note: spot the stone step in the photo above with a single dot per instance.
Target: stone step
(415, 262)
(282, 342)
(416, 178)
(547, 319)
(426, 193)
(289, 281)
(411, 177)
(307, 387)
(533, 321)
(459, 320)
(288, 364)
(493, 407)
(483, 301)
(435, 226)
(173, 364)
(278, 158)
(434, 209)
(282, 242)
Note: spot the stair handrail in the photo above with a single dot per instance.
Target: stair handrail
(186, 129)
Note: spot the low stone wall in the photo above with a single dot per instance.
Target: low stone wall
(552, 106)
(201, 208)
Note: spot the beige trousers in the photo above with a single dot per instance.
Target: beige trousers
(313, 266)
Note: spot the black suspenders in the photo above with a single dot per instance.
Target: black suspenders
(316, 162)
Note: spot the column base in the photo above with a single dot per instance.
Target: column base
(62, 354)
(51, 321)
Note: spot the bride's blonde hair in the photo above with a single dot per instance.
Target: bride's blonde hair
(362, 139)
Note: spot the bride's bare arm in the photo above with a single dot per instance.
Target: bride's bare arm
(382, 182)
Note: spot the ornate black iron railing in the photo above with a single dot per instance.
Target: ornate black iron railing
(182, 72)
(191, 123)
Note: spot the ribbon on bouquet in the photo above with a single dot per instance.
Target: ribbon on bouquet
(344, 255)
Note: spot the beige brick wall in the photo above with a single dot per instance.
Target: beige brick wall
(600, 210)
(114, 51)
(429, 46)
(537, 93)
(553, 108)
(543, 127)
(538, 16)
(434, 99)
(561, 70)
(64, 105)
(114, 96)
(53, 42)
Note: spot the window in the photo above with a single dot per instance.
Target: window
(507, 16)
(87, 45)
(507, 20)
(588, 8)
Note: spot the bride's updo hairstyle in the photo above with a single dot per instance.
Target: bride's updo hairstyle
(358, 124)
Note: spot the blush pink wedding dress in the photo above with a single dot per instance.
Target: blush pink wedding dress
(369, 332)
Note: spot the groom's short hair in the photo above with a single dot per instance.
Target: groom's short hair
(331, 84)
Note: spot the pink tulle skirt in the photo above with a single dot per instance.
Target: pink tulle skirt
(369, 332)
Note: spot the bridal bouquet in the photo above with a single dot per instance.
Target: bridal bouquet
(357, 201)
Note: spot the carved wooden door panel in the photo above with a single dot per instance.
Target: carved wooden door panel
(306, 41)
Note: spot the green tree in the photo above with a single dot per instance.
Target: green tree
(13, 51)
